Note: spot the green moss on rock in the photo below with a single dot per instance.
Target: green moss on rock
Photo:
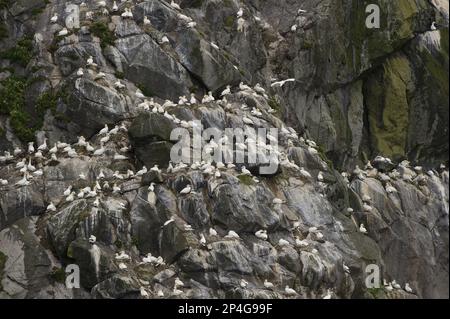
(101, 30)
(388, 106)
(21, 53)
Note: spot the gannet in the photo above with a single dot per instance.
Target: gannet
(122, 256)
(239, 13)
(362, 229)
(100, 151)
(70, 198)
(289, 291)
(122, 266)
(146, 20)
(92, 239)
(433, 26)
(31, 147)
(212, 232)
(54, 18)
(175, 5)
(268, 284)
(120, 157)
(281, 83)
(329, 294)
(51, 207)
(282, 242)
(245, 171)
(186, 190)
(261, 234)
(232, 234)
(143, 292)
(408, 288)
(63, 32)
(24, 181)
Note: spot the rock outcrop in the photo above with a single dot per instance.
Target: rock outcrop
(112, 203)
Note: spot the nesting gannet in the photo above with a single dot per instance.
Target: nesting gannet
(261, 234)
(143, 292)
(346, 268)
(304, 173)
(186, 190)
(245, 171)
(289, 291)
(146, 21)
(268, 284)
(63, 32)
(362, 229)
(243, 283)
(329, 294)
(54, 18)
(175, 5)
(232, 234)
(122, 256)
(202, 240)
(92, 239)
(212, 232)
(240, 13)
(51, 207)
(294, 28)
(71, 197)
(100, 151)
(122, 266)
(178, 282)
(433, 26)
(283, 242)
(31, 147)
(408, 288)
(24, 181)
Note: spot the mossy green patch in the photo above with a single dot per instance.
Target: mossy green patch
(58, 275)
(12, 103)
(101, 30)
(5, 4)
(246, 179)
(21, 53)
(229, 22)
(388, 108)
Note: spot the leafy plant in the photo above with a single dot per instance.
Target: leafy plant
(101, 30)
(21, 53)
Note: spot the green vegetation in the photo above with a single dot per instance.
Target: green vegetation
(146, 91)
(377, 293)
(21, 53)
(119, 75)
(246, 179)
(58, 275)
(12, 103)
(229, 22)
(273, 103)
(5, 3)
(101, 30)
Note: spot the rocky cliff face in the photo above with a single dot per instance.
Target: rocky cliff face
(358, 93)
